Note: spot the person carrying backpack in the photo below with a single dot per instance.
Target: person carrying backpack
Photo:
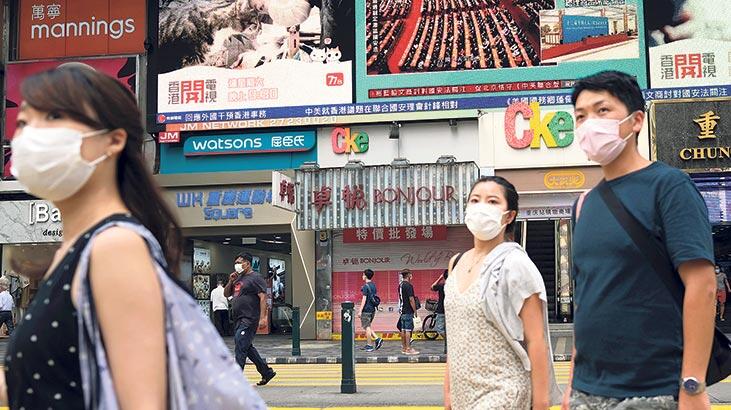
(368, 310)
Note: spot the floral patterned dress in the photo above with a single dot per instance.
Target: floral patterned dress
(484, 371)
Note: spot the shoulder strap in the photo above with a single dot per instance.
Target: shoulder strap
(646, 242)
(456, 260)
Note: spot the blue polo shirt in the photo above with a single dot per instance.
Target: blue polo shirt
(628, 329)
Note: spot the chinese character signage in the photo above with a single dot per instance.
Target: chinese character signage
(73, 28)
(695, 52)
(283, 192)
(225, 204)
(123, 69)
(412, 50)
(395, 234)
(384, 196)
(692, 135)
(236, 54)
(232, 144)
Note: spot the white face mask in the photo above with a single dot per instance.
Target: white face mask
(48, 162)
(239, 267)
(484, 220)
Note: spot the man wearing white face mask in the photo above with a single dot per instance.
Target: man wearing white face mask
(638, 235)
(249, 306)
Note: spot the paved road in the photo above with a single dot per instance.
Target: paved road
(387, 384)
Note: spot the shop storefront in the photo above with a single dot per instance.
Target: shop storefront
(534, 147)
(385, 218)
(221, 220)
(30, 234)
(694, 136)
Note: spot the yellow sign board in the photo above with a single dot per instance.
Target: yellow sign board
(324, 315)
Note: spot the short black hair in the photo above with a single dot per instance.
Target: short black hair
(621, 85)
(405, 273)
(369, 274)
(511, 196)
(245, 256)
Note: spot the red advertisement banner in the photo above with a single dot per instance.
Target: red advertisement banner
(398, 234)
(123, 69)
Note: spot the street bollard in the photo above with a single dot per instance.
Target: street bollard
(296, 351)
(347, 345)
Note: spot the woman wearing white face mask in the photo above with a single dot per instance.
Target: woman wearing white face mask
(99, 332)
(499, 351)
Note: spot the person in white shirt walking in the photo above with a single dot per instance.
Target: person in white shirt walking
(220, 310)
(6, 305)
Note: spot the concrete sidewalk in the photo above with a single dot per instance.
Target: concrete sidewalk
(277, 349)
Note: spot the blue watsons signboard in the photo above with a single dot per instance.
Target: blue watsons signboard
(239, 152)
(249, 143)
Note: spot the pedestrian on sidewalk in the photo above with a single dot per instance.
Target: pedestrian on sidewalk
(6, 305)
(723, 287)
(109, 326)
(220, 309)
(367, 312)
(407, 308)
(249, 291)
(440, 324)
(499, 355)
(657, 358)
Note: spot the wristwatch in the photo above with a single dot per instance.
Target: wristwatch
(692, 386)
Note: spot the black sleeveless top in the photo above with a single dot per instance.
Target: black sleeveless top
(42, 367)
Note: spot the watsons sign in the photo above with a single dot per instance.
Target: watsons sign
(297, 141)
(51, 28)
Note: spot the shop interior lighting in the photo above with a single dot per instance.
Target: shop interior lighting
(447, 160)
(400, 163)
(395, 132)
(248, 241)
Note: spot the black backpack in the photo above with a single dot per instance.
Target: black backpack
(375, 300)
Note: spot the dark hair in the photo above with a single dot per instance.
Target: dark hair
(405, 273)
(245, 256)
(369, 274)
(511, 196)
(446, 273)
(99, 101)
(620, 85)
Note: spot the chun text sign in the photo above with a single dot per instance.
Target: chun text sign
(384, 196)
(692, 135)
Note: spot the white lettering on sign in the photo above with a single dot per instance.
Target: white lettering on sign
(93, 27)
(288, 141)
(42, 213)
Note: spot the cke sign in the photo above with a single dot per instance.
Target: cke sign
(556, 129)
(345, 141)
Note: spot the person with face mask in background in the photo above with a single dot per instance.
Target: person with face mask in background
(499, 354)
(658, 357)
(78, 144)
(249, 309)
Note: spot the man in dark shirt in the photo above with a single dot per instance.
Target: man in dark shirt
(249, 291)
(367, 311)
(407, 309)
(440, 322)
(660, 352)
(438, 286)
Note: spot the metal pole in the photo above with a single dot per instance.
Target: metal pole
(296, 351)
(347, 382)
